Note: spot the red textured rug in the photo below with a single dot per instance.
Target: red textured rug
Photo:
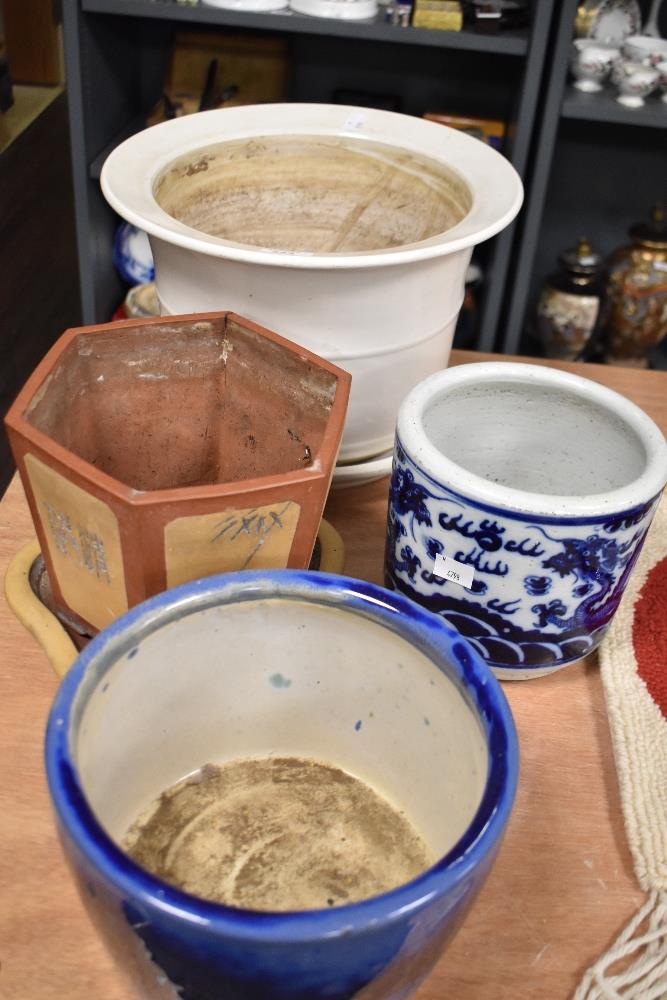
(649, 634)
(633, 662)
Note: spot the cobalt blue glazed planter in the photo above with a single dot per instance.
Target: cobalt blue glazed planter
(519, 501)
(395, 694)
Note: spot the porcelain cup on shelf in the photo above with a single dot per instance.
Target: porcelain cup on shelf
(634, 82)
(591, 63)
(645, 49)
(662, 81)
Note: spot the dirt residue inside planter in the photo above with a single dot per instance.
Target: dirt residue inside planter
(277, 834)
(172, 405)
(313, 194)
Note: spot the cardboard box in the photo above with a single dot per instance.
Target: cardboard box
(492, 131)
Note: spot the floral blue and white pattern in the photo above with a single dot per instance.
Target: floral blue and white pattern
(132, 255)
(544, 589)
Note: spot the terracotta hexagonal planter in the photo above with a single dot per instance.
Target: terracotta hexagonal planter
(158, 451)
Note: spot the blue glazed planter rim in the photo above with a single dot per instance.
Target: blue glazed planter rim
(424, 629)
(596, 506)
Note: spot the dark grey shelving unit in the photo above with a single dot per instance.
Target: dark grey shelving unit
(604, 107)
(597, 168)
(509, 43)
(117, 54)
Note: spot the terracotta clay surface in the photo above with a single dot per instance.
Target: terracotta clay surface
(562, 887)
(315, 194)
(175, 404)
(157, 451)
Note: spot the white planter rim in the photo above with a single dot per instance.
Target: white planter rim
(645, 487)
(130, 171)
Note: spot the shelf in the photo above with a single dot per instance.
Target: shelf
(510, 43)
(136, 125)
(603, 107)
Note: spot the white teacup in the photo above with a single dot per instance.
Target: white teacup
(662, 82)
(591, 63)
(634, 81)
(645, 49)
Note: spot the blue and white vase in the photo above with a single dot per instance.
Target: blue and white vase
(132, 255)
(519, 502)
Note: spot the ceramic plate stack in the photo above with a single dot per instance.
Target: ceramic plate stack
(256, 6)
(342, 10)
(358, 473)
(609, 20)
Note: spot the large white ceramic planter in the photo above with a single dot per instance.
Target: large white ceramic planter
(349, 230)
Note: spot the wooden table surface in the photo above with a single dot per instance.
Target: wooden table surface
(561, 889)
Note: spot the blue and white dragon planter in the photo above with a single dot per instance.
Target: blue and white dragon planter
(532, 580)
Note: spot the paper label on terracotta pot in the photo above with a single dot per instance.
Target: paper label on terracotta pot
(83, 542)
(250, 538)
(455, 572)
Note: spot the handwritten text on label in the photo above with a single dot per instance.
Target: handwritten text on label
(456, 572)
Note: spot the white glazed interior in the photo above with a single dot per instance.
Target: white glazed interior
(313, 194)
(533, 439)
(281, 677)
